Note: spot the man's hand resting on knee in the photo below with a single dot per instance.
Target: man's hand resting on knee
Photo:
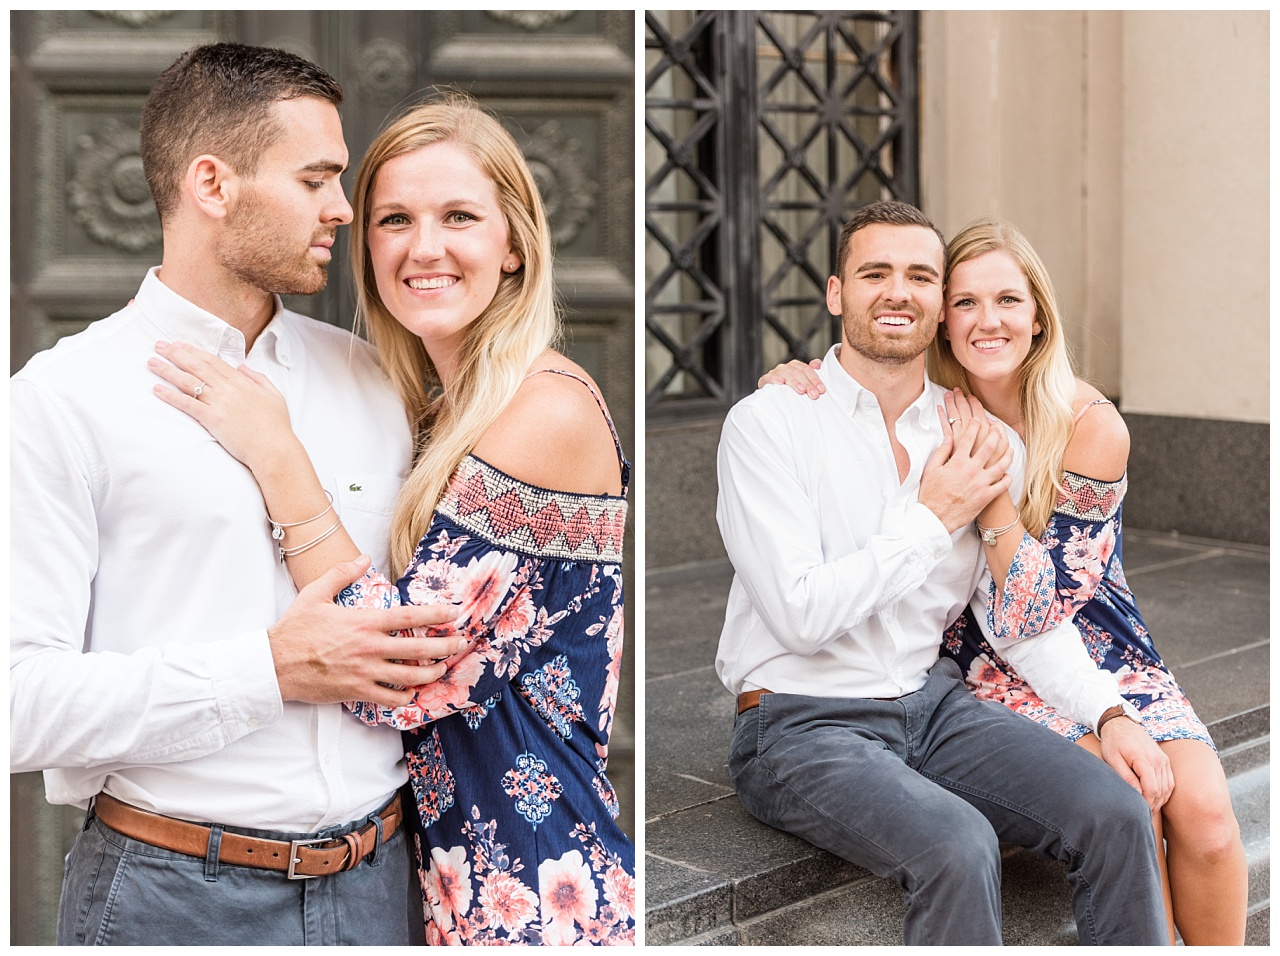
(1138, 759)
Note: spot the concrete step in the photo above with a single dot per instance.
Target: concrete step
(757, 886)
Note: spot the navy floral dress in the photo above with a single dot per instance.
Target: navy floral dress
(1074, 572)
(515, 832)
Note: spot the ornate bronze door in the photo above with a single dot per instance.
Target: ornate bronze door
(85, 230)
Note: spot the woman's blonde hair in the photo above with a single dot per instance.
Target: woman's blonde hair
(500, 345)
(1047, 384)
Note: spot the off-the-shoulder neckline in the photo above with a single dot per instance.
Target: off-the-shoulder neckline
(539, 488)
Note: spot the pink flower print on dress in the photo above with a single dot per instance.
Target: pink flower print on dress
(1148, 683)
(596, 932)
(516, 618)
(433, 582)
(372, 590)
(1027, 604)
(1087, 556)
(474, 715)
(485, 582)
(435, 935)
(953, 636)
(568, 895)
(987, 680)
(509, 903)
(449, 694)
(512, 635)
(613, 670)
(604, 790)
(620, 891)
(448, 885)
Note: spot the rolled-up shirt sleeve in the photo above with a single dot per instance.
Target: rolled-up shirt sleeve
(773, 534)
(72, 708)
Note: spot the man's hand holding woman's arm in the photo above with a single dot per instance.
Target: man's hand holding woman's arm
(323, 653)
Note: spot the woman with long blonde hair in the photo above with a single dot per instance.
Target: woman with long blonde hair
(513, 511)
(1056, 556)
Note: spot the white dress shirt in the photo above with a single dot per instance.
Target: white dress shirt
(143, 575)
(844, 581)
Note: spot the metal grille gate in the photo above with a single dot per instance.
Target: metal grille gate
(764, 131)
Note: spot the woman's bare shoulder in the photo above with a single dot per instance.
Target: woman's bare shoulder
(553, 434)
(1099, 445)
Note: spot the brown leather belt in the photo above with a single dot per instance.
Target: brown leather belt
(299, 859)
(751, 698)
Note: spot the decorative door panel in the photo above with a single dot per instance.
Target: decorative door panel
(84, 227)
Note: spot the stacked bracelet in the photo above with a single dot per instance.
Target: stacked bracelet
(989, 535)
(290, 552)
(277, 531)
(277, 528)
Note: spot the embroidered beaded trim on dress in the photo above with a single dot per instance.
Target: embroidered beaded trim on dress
(519, 517)
(1088, 499)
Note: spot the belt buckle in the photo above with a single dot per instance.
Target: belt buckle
(294, 859)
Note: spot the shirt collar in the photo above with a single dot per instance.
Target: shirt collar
(182, 321)
(852, 397)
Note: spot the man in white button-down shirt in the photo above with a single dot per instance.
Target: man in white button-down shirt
(161, 664)
(849, 524)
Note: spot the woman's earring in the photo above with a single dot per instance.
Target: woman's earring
(510, 266)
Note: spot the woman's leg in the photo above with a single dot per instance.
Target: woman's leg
(1204, 868)
(1207, 866)
(1091, 743)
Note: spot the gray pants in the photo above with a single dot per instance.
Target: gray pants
(117, 891)
(925, 788)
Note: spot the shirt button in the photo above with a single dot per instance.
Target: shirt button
(254, 722)
(328, 758)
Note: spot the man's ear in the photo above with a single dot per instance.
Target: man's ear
(211, 185)
(834, 305)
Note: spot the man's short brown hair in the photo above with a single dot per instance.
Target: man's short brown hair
(890, 212)
(218, 99)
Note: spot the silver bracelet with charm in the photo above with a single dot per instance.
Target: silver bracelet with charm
(989, 535)
(277, 527)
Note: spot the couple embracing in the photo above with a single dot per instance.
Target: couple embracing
(922, 563)
(277, 739)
